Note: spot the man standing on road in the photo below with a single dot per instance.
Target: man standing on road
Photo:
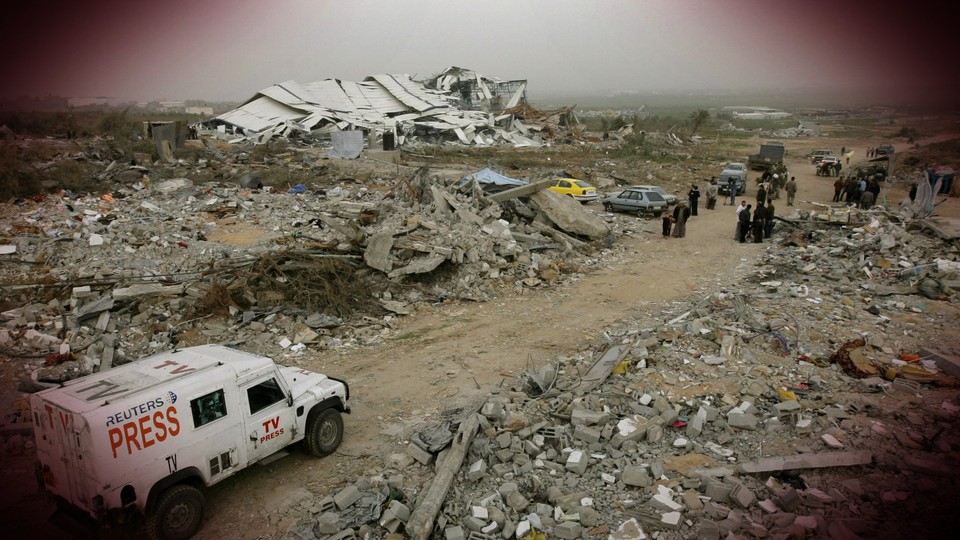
(743, 222)
(759, 220)
(838, 189)
(694, 197)
(791, 188)
(732, 185)
(761, 196)
(712, 190)
(680, 215)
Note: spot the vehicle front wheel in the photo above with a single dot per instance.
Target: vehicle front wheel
(324, 433)
(608, 207)
(178, 514)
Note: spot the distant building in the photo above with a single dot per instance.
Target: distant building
(172, 105)
(87, 101)
(202, 111)
(743, 112)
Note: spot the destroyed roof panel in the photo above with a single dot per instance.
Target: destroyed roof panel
(409, 93)
(328, 94)
(260, 114)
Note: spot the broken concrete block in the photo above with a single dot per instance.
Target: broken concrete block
(742, 495)
(695, 425)
(419, 454)
(454, 533)
(718, 491)
(831, 441)
(671, 520)
(586, 434)
(568, 530)
(516, 500)
(664, 502)
(691, 499)
(637, 476)
(585, 417)
(577, 462)
(628, 530)
(789, 500)
(710, 413)
(786, 407)
(654, 433)
(477, 471)
(346, 497)
(742, 421)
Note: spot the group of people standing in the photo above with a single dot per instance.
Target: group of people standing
(675, 224)
(757, 222)
(857, 190)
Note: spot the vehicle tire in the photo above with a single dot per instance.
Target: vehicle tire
(324, 433)
(177, 515)
(608, 207)
(657, 214)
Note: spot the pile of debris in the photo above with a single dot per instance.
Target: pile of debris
(802, 402)
(108, 279)
(457, 105)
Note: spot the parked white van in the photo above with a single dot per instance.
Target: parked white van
(148, 436)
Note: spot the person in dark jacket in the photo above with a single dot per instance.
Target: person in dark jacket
(694, 196)
(743, 218)
(680, 215)
(759, 220)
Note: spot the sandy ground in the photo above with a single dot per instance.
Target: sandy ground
(453, 355)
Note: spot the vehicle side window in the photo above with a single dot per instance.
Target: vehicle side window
(564, 184)
(261, 396)
(208, 408)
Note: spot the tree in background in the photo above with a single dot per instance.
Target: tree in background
(697, 119)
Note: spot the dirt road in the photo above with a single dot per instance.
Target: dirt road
(454, 355)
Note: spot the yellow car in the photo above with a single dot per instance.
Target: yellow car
(578, 189)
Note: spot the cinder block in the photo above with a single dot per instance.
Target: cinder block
(477, 471)
(346, 497)
(742, 495)
(568, 530)
(577, 462)
(586, 434)
(654, 433)
(742, 421)
(586, 417)
(635, 475)
(691, 499)
(454, 533)
(419, 454)
(665, 503)
(718, 491)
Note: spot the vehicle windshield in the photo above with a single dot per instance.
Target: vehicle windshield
(735, 166)
(654, 196)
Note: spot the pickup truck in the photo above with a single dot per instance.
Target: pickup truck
(883, 150)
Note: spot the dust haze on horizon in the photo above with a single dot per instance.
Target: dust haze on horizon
(227, 50)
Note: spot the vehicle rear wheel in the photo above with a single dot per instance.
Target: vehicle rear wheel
(178, 514)
(608, 207)
(324, 432)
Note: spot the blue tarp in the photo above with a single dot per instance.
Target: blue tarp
(487, 176)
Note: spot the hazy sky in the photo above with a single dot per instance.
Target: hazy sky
(230, 49)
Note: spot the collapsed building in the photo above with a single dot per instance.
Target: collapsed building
(457, 105)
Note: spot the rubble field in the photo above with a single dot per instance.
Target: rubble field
(521, 368)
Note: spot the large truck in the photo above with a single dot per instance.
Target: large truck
(769, 158)
(146, 437)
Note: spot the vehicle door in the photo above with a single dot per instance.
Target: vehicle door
(268, 419)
